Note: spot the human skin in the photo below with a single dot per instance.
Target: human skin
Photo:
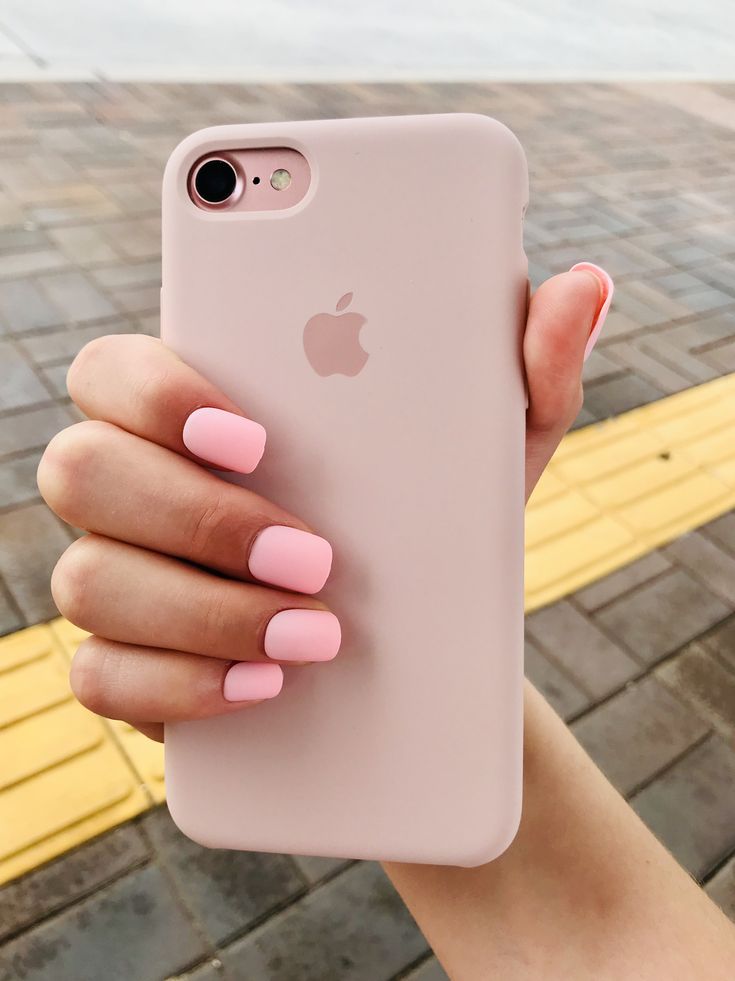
(584, 891)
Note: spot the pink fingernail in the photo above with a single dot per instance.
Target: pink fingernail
(607, 290)
(248, 682)
(290, 558)
(224, 439)
(302, 635)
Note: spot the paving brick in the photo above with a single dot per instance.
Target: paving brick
(227, 891)
(559, 690)
(354, 928)
(24, 307)
(10, 617)
(314, 868)
(663, 615)
(698, 678)
(722, 531)
(691, 808)
(721, 641)
(620, 394)
(711, 564)
(722, 357)
(567, 637)
(721, 888)
(637, 733)
(54, 377)
(76, 297)
(19, 264)
(628, 354)
(32, 428)
(211, 971)
(430, 970)
(83, 245)
(599, 366)
(18, 479)
(57, 885)
(134, 930)
(20, 386)
(31, 541)
(64, 345)
(624, 580)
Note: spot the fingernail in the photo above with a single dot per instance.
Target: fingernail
(224, 439)
(248, 682)
(607, 288)
(302, 635)
(290, 558)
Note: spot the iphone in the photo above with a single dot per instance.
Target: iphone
(359, 287)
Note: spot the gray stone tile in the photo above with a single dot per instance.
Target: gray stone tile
(663, 615)
(691, 808)
(20, 386)
(314, 868)
(227, 891)
(31, 541)
(83, 244)
(620, 394)
(598, 665)
(10, 617)
(211, 971)
(70, 878)
(721, 888)
(76, 297)
(354, 928)
(18, 479)
(32, 428)
(563, 695)
(19, 264)
(637, 733)
(134, 930)
(721, 641)
(611, 587)
(64, 345)
(722, 531)
(714, 567)
(430, 970)
(698, 678)
(24, 307)
(599, 366)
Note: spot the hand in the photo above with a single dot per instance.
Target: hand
(195, 590)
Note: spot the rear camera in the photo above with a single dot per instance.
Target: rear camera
(215, 181)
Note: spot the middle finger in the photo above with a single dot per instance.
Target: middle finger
(133, 596)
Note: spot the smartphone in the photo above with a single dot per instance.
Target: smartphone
(359, 287)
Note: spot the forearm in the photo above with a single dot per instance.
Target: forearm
(585, 890)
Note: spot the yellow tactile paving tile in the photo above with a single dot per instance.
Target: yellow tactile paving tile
(613, 492)
(63, 779)
(619, 489)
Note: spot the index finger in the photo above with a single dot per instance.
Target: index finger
(138, 384)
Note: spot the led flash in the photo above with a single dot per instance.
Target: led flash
(280, 179)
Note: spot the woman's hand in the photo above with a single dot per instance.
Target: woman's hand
(195, 590)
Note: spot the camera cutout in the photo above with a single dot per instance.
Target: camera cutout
(256, 179)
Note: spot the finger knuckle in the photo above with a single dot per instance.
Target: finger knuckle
(212, 525)
(215, 622)
(90, 677)
(68, 466)
(72, 581)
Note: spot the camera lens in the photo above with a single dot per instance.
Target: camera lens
(215, 181)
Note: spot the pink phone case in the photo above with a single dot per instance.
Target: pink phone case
(408, 746)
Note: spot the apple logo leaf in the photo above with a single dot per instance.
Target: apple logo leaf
(344, 301)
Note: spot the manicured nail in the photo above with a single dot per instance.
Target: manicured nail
(248, 682)
(607, 288)
(227, 440)
(302, 635)
(290, 558)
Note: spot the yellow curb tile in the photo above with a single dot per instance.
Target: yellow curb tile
(552, 562)
(146, 756)
(673, 504)
(626, 449)
(33, 745)
(549, 486)
(634, 482)
(33, 687)
(24, 646)
(557, 516)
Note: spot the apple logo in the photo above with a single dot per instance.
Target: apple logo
(332, 342)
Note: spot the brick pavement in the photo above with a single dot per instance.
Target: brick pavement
(637, 184)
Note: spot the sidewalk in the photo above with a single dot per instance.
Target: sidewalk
(642, 662)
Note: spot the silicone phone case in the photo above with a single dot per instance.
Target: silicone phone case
(407, 746)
